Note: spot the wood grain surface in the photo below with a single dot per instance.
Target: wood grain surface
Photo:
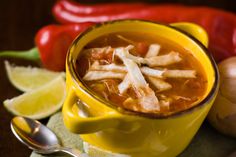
(19, 22)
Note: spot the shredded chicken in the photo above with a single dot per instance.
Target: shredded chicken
(148, 99)
(111, 85)
(129, 104)
(99, 75)
(165, 104)
(153, 50)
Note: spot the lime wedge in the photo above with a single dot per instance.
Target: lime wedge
(39, 103)
(93, 151)
(29, 78)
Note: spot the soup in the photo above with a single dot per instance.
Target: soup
(142, 72)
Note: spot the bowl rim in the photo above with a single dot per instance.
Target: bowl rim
(76, 78)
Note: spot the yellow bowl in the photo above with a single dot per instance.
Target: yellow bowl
(105, 126)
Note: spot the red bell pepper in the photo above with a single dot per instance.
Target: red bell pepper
(220, 25)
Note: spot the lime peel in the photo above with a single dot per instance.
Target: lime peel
(39, 103)
(29, 78)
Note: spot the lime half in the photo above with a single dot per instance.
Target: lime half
(39, 103)
(29, 78)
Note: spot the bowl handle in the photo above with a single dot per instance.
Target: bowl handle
(193, 29)
(82, 124)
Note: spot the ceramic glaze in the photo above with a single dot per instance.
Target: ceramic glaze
(111, 128)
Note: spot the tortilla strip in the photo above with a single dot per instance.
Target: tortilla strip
(152, 72)
(163, 60)
(124, 85)
(122, 52)
(109, 67)
(120, 68)
(99, 75)
(159, 84)
(153, 50)
(135, 74)
(146, 96)
(146, 71)
(180, 73)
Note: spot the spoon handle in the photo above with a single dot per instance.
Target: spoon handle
(73, 152)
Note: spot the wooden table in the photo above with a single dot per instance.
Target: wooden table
(19, 22)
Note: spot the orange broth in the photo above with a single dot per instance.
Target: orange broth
(184, 91)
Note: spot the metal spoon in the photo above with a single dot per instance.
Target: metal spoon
(39, 138)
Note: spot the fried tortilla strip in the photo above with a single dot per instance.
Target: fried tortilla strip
(109, 67)
(124, 52)
(152, 72)
(180, 73)
(124, 85)
(99, 75)
(153, 50)
(119, 68)
(135, 73)
(145, 70)
(163, 60)
(146, 96)
(159, 84)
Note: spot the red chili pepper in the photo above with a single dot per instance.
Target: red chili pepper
(53, 41)
(52, 44)
(220, 25)
(147, 11)
(101, 8)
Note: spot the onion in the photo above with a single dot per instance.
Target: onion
(222, 115)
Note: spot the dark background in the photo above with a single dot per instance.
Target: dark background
(19, 22)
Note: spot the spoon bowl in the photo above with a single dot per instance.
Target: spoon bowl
(38, 137)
